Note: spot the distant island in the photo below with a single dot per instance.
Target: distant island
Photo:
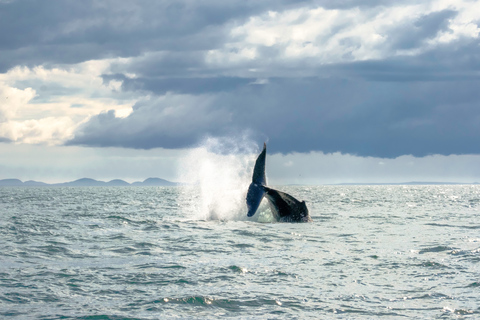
(87, 182)
(157, 182)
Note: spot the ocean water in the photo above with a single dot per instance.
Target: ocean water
(390, 252)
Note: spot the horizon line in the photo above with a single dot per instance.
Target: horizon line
(155, 181)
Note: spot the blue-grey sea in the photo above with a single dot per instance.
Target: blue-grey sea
(390, 252)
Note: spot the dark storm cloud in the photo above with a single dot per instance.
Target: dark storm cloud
(172, 121)
(194, 85)
(385, 119)
(37, 32)
(165, 63)
(418, 104)
(54, 31)
(181, 72)
(427, 104)
(186, 85)
(411, 34)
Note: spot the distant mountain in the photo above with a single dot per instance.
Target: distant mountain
(155, 182)
(87, 182)
(118, 183)
(11, 183)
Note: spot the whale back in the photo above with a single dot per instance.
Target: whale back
(286, 208)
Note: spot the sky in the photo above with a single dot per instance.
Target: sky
(342, 91)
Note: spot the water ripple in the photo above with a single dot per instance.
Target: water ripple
(137, 253)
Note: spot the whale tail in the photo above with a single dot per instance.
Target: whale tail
(259, 176)
(284, 207)
(255, 192)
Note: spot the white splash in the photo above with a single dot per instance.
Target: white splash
(219, 173)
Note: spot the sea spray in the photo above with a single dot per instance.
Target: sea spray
(218, 172)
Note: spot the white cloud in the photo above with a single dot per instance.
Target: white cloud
(325, 36)
(12, 100)
(46, 130)
(46, 105)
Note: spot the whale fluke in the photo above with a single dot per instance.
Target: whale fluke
(259, 169)
(284, 207)
(255, 190)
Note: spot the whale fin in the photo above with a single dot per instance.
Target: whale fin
(286, 208)
(255, 192)
(259, 169)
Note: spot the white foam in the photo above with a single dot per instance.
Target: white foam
(219, 172)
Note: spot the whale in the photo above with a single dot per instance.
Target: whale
(284, 207)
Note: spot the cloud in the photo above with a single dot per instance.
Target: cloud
(414, 34)
(66, 31)
(190, 85)
(45, 106)
(307, 37)
(382, 119)
(169, 121)
(378, 79)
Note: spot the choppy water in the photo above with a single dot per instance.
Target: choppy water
(143, 253)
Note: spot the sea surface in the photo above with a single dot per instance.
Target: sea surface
(389, 252)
